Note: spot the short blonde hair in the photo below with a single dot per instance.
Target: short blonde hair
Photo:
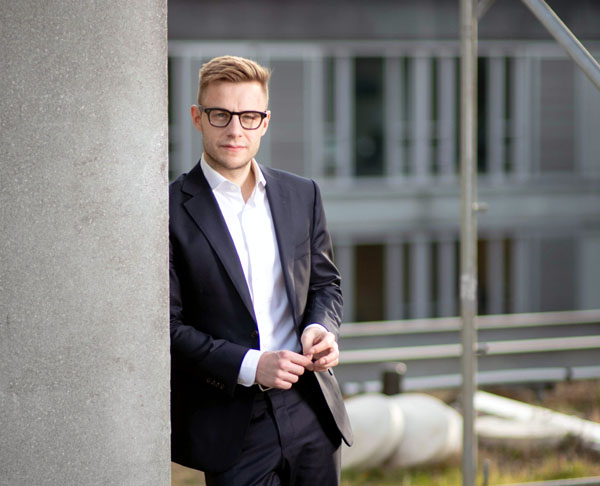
(232, 69)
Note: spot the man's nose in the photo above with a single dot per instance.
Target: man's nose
(235, 125)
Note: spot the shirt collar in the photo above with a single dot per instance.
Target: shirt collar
(215, 179)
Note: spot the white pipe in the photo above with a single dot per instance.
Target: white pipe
(586, 430)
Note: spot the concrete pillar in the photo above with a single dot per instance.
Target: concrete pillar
(345, 261)
(447, 107)
(495, 274)
(521, 129)
(420, 276)
(394, 123)
(447, 276)
(394, 279)
(84, 347)
(344, 116)
(421, 96)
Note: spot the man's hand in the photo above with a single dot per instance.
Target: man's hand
(281, 369)
(320, 346)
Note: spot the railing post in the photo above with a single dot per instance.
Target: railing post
(392, 378)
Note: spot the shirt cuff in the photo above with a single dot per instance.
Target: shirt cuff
(317, 325)
(247, 376)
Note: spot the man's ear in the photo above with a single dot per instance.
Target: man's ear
(196, 115)
(265, 122)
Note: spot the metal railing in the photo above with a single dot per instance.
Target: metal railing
(496, 321)
(515, 348)
(456, 350)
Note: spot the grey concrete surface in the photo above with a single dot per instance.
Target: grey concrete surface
(84, 346)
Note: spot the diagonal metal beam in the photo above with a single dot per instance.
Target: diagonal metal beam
(482, 7)
(566, 38)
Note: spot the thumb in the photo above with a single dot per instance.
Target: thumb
(307, 341)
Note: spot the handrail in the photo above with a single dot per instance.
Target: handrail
(440, 351)
(497, 321)
(484, 378)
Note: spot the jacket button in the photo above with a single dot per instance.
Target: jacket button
(254, 333)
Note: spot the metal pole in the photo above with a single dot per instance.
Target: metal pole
(468, 236)
(566, 38)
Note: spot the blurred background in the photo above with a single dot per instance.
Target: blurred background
(365, 100)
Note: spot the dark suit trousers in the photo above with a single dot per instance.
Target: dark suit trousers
(292, 441)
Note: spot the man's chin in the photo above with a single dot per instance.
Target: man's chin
(229, 164)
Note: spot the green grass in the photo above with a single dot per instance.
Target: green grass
(502, 470)
(444, 475)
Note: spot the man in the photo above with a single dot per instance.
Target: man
(255, 303)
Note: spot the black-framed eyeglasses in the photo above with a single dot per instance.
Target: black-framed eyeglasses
(220, 117)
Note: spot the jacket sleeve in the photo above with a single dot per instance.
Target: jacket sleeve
(215, 362)
(324, 300)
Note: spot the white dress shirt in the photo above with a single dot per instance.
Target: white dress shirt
(251, 227)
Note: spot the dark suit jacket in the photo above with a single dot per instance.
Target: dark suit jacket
(212, 318)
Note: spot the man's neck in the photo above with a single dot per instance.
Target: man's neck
(243, 177)
(248, 183)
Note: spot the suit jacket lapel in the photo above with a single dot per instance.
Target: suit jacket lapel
(281, 210)
(204, 210)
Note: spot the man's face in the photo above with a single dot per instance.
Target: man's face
(231, 148)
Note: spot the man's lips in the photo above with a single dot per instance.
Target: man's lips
(233, 147)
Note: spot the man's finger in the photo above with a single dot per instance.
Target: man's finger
(323, 366)
(295, 369)
(326, 346)
(320, 347)
(297, 359)
(322, 343)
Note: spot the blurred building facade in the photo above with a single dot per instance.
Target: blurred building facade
(365, 100)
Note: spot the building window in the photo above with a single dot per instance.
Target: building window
(369, 113)
(369, 277)
(329, 162)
